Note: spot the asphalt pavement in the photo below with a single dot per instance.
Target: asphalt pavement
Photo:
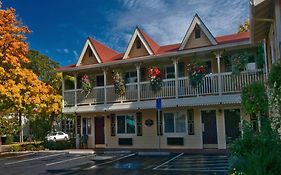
(41, 163)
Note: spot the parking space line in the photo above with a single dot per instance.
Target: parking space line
(124, 157)
(17, 156)
(168, 161)
(36, 158)
(67, 160)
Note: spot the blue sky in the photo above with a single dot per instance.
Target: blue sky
(60, 27)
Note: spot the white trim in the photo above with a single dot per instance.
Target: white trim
(88, 43)
(132, 41)
(197, 21)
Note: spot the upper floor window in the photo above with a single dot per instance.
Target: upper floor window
(197, 33)
(169, 72)
(99, 80)
(131, 77)
(126, 124)
(175, 122)
(90, 52)
(138, 43)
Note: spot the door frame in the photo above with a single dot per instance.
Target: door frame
(217, 122)
(104, 131)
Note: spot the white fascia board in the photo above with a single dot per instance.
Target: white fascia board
(137, 33)
(196, 20)
(88, 43)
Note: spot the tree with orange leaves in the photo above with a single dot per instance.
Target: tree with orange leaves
(21, 91)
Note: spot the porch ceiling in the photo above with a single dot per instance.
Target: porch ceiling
(261, 18)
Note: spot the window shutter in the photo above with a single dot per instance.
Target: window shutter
(139, 123)
(181, 69)
(143, 74)
(159, 124)
(113, 125)
(190, 122)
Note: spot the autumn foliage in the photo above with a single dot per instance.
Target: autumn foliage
(20, 88)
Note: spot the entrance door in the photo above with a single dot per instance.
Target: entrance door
(232, 120)
(99, 130)
(209, 127)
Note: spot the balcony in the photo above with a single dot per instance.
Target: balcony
(218, 85)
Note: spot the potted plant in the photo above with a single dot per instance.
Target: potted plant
(155, 79)
(119, 83)
(196, 72)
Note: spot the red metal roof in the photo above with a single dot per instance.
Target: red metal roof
(233, 38)
(152, 44)
(104, 52)
(107, 55)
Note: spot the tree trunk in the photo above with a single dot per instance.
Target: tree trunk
(21, 128)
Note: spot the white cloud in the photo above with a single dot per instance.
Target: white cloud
(75, 53)
(65, 50)
(167, 21)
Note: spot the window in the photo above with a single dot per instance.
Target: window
(169, 72)
(138, 43)
(175, 122)
(197, 33)
(86, 125)
(131, 77)
(126, 124)
(208, 67)
(100, 80)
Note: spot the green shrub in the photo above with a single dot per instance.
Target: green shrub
(30, 147)
(58, 145)
(274, 76)
(256, 153)
(16, 148)
(9, 139)
(254, 98)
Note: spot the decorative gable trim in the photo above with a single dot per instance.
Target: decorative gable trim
(132, 41)
(88, 44)
(197, 21)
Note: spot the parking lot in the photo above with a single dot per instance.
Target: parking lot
(108, 163)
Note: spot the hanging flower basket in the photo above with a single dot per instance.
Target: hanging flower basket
(155, 78)
(119, 83)
(196, 71)
(87, 84)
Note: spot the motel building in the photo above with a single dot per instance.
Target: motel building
(201, 116)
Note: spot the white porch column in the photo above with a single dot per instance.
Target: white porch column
(265, 59)
(62, 89)
(218, 55)
(278, 28)
(104, 84)
(175, 61)
(138, 80)
(75, 89)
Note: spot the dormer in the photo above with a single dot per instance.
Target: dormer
(95, 52)
(197, 35)
(140, 45)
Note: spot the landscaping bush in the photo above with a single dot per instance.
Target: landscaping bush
(59, 145)
(256, 153)
(16, 148)
(9, 139)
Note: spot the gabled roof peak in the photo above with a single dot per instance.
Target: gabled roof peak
(196, 21)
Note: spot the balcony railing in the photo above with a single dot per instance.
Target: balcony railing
(213, 84)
